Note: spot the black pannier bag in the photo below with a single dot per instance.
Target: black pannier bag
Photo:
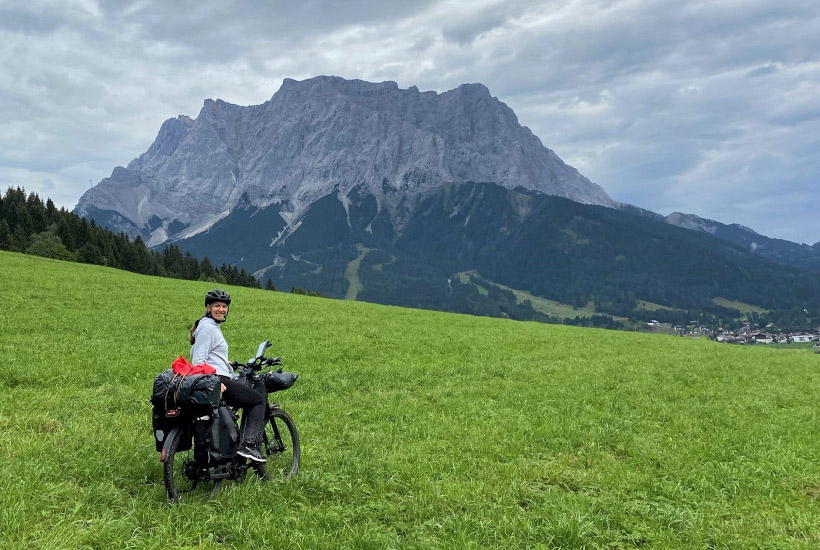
(171, 392)
(216, 437)
(277, 381)
(224, 435)
(162, 426)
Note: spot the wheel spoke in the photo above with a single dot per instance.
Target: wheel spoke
(281, 445)
(181, 474)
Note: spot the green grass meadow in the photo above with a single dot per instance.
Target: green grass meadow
(419, 429)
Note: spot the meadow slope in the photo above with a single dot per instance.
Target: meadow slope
(419, 429)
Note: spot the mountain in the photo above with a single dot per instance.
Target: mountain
(443, 201)
(479, 247)
(777, 250)
(319, 135)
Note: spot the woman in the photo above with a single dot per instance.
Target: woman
(209, 346)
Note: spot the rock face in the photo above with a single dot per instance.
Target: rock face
(443, 201)
(322, 135)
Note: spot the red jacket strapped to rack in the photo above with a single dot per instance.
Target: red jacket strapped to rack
(184, 367)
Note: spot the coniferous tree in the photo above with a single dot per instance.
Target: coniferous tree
(90, 253)
(19, 239)
(51, 212)
(206, 270)
(5, 235)
(66, 235)
(37, 212)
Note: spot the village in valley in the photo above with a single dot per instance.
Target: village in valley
(746, 334)
(769, 335)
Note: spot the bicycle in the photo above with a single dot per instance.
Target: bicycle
(187, 465)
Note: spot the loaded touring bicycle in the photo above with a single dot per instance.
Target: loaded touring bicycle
(197, 434)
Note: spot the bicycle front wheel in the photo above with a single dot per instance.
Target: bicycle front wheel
(280, 446)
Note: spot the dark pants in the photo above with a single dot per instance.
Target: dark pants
(240, 396)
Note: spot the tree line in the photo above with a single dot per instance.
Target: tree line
(31, 226)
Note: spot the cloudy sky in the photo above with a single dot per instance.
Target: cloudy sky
(704, 107)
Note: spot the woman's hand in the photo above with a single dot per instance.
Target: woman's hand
(223, 388)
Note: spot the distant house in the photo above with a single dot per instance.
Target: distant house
(762, 338)
(802, 338)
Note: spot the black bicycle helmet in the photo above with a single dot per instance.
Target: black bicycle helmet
(217, 295)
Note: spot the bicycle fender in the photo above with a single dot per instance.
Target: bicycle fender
(168, 439)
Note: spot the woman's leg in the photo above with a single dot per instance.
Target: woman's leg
(239, 395)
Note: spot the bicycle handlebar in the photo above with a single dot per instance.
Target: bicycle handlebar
(256, 363)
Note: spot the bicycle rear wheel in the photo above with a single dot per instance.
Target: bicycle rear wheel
(279, 443)
(181, 472)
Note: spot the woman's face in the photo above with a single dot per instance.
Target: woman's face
(218, 310)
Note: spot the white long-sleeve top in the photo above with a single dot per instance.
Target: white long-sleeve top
(211, 347)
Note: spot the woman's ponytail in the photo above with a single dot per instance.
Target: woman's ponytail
(193, 328)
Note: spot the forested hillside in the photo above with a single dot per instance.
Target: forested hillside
(29, 225)
(482, 249)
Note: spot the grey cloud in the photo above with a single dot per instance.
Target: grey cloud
(762, 71)
(423, 43)
(226, 31)
(688, 106)
(465, 30)
(21, 18)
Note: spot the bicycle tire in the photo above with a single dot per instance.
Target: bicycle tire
(279, 444)
(179, 468)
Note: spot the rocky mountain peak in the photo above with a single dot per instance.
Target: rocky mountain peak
(323, 134)
(478, 91)
(172, 132)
